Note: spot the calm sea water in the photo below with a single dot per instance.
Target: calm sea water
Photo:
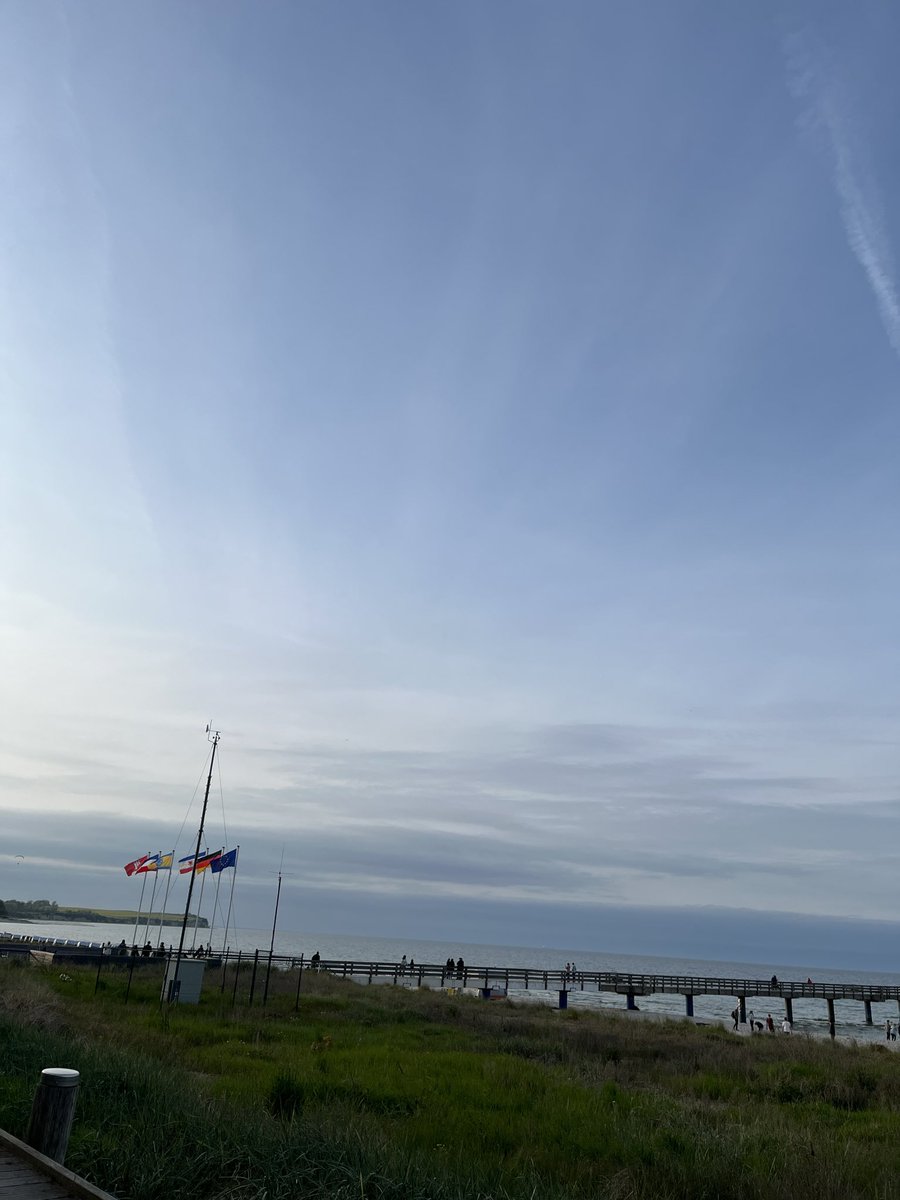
(809, 1015)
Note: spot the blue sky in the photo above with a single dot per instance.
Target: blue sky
(488, 416)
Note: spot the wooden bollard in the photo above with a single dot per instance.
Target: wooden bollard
(53, 1111)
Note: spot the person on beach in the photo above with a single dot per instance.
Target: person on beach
(735, 1014)
(888, 1030)
(786, 1026)
(770, 1024)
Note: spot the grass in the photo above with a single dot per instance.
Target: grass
(382, 1092)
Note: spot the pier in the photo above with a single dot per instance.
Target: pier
(615, 982)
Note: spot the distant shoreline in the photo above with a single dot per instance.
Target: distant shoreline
(85, 917)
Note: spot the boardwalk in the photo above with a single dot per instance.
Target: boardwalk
(27, 1175)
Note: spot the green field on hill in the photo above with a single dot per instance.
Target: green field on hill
(50, 910)
(346, 1091)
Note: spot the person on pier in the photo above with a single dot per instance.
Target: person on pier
(460, 967)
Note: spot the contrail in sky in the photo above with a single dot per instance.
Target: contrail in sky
(814, 83)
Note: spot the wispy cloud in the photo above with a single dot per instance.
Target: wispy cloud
(814, 80)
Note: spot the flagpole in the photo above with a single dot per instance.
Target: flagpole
(199, 907)
(173, 993)
(153, 896)
(231, 898)
(165, 902)
(215, 907)
(137, 919)
(272, 943)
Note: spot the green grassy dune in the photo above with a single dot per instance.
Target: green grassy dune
(386, 1092)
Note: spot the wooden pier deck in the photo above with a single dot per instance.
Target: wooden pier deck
(27, 1175)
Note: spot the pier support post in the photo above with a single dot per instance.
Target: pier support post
(867, 1006)
(563, 998)
(789, 1009)
(830, 1004)
(629, 1002)
(53, 1111)
(689, 1006)
(742, 1009)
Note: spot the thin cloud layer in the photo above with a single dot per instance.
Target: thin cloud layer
(815, 81)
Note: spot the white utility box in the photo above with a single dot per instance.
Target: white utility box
(187, 988)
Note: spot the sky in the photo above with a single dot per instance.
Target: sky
(486, 416)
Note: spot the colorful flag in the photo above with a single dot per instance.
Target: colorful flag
(165, 861)
(203, 861)
(188, 862)
(149, 864)
(131, 867)
(224, 861)
(207, 860)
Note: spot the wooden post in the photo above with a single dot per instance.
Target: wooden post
(237, 971)
(689, 1006)
(53, 1111)
(830, 1004)
(629, 1002)
(300, 980)
(789, 1009)
(563, 998)
(742, 1009)
(224, 969)
(867, 1006)
(253, 978)
(99, 969)
(265, 998)
(130, 973)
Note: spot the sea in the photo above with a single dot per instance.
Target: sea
(810, 1016)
